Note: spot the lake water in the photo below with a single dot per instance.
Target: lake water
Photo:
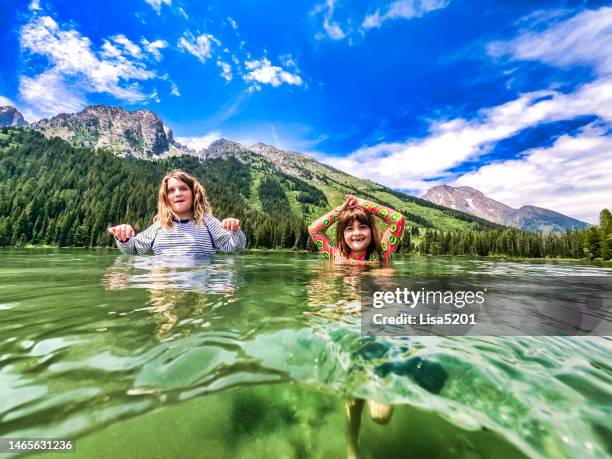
(258, 355)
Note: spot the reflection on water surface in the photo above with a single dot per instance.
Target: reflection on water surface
(90, 339)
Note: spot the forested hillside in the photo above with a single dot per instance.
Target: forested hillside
(54, 193)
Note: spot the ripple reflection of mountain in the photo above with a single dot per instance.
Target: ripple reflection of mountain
(179, 287)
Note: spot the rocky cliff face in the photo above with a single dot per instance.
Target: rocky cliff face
(468, 200)
(10, 116)
(139, 133)
(290, 162)
(221, 148)
(472, 201)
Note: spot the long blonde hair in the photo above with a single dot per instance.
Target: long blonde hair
(200, 206)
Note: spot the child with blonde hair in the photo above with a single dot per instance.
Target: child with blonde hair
(183, 225)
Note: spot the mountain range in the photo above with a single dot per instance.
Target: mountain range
(142, 134)
(528, 218)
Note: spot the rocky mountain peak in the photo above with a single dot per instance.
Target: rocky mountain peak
(473, 201)
(222, 147)
(138, 133)
(260, 146)
(10, 116)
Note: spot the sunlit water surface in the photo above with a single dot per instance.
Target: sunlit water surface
(256, 356)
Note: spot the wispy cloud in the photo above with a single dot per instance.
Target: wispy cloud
(452, 142)
(583, 39)
(183, 13)
(413, 163)
(232, 23)
(120, 44)
(154, 47)
(335, 29)
(75, 68)
(174, 90)
(47, 94)
(6, 101)
(200, 46)
(199, 143)
(157, 4)
(402, 9)
(572, 176)
(262, 71)
(331, 29)
(226, 70)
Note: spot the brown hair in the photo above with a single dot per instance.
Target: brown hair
(200, 206)
(347, 217)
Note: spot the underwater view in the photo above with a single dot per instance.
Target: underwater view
(262, 355)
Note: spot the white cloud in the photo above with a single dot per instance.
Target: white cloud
(128, 47)
(579, 40)
(288, 61)
(114, 70)
(154, 47)
(398, 9)
(233, 23)
(175, 90)
(452, 142)
(201, 142)
(226, 70)
(402, 9)
(157, 4)
(34, 5)
(262, 71)
(332, 29)
(183, 13)
(408, 164)
(572, 176)
(6, 101)
(200, 47)
(47, 94)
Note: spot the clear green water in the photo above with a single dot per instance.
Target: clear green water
(256, 355)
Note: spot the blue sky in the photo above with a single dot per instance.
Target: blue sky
(512, 98)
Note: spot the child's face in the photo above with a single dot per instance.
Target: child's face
(180, 198)
(357, 236)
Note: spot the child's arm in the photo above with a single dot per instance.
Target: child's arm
(223, 239)
(395, 229)
(135, 245)
(318, 229)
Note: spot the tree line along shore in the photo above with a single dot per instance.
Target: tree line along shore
(55, 194)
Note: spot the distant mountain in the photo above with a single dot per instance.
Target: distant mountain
(306, 187)
(10, 116)
(138, 133)
(529, 218)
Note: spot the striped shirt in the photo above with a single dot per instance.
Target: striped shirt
(185, 238)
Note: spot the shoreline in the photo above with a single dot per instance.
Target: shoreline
(598, 262)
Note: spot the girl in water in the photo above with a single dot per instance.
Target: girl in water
(184, 224)
(357, 239)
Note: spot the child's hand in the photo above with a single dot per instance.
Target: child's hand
(351, 201)
(122, 232)
(231, 224)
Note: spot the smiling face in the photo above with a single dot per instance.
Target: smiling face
(357, 236)
(180, 198)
